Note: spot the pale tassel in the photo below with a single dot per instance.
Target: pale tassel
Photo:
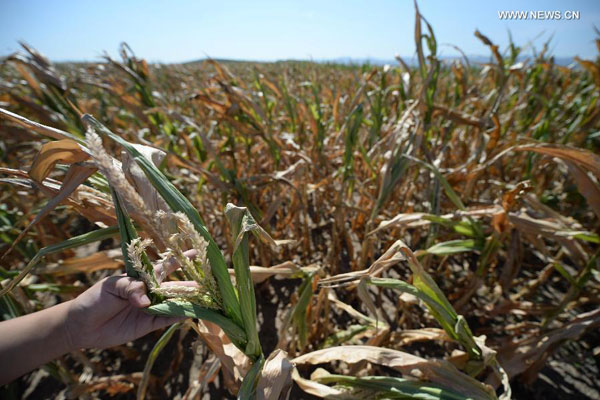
(121, 185)
(135, 250)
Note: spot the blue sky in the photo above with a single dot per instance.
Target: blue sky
(182, 30)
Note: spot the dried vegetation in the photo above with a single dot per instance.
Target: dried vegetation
(435, 228)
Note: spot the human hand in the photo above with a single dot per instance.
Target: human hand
(111, 313)
(107, 314)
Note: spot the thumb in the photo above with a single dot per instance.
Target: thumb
(127, 288)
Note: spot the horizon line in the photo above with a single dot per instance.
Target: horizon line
(338, 60)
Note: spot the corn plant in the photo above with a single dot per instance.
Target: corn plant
(214, 298)
(489, 171)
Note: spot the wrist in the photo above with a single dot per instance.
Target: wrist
(65, 328)
(32, 340)
(61, 335)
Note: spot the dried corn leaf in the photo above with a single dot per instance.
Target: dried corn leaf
(275, 382)
(138, 179)
(35, 126)
(587, 187)
(61, 151)
(581, 157)
(75, 177)
(437, 371)
(103, 260)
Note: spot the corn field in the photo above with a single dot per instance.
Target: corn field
(357, 231)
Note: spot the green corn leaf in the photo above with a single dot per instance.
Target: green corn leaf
(581, 235)
(173, 308)
(127, 232)
(467, 228)
(156, 350)
(454, 198)
(178, 202)
(52, 288)
(489, 250)
(446, 222)
(248, 388)
(455, 325)
(464, 227)
(352, 126)
(447, 319)
(453, 247)
(6, 274)
(76, 241)
(299, 312)
(561, 269)
(394, 172)
(8, 308)
(425, 283)
(396, 388)
(242, 224)
(344, 335)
